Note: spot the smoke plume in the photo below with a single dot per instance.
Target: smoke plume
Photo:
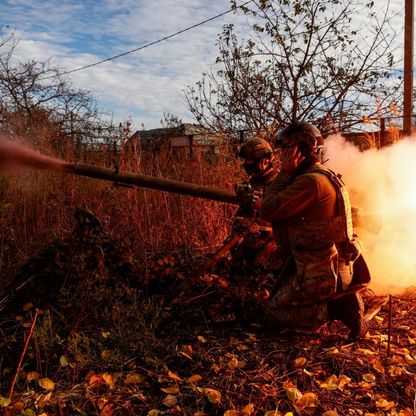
(15, 155)
(382, 182)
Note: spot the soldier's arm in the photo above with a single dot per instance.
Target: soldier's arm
(286, 198)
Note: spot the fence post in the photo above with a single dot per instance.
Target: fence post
(382, 141)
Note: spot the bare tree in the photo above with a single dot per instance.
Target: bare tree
(35, 92)
(326, 61)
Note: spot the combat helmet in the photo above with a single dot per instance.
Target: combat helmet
(300, 132)
(255, 149)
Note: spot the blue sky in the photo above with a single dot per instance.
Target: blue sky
(141, 85)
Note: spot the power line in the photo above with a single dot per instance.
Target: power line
(154, 42)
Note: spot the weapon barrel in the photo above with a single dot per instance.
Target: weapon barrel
(153, 182)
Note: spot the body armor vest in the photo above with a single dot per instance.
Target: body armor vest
(338, 229)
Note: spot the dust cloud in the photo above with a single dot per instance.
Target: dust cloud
(15, 155)
(382, 182)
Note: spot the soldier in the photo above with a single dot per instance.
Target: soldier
(318, 264)
(251, 241)
(260, 164)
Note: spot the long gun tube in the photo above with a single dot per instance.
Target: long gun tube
(371, 223)
(153, 182)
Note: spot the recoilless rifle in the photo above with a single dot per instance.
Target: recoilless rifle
(371, 223)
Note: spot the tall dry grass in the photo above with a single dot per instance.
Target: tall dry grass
(37, 207)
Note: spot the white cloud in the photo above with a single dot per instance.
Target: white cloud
(143, 84)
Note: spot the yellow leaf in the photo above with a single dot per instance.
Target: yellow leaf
(4, 401)
(384, 404)
(174, 376)
(170, 400)
(395, 370)
(32, 375)
(248, 409)
(153, 412)
(134, 378)
(272, 413)
(369, 378)
(231, 413)
(364, 351)
(293, 393)
(289, 414)
(170, 390)
(105, 334)
(63, 361)
(28, 412)
(409, 359)
(195, 379)
(300, 362)
(330, 413)
(214, 396)
(201, 339)
(46, 383)
(199, 413)
(109, 379)
(379, 319)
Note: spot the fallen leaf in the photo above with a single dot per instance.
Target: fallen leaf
(272, 413)
(170, 390)
(32, 375)
(300, 362)
(384, 404)
(369, 378)
(308, 401)
(153, 412)
(63, 361)
(134, 378)
(4, 401)
(293, 394)
(170, 400)
(248, 409)
(379, 368)
(109, 379)
(395, 370)
(330, 413)
(231, 413)
(95, 381)
(174, 376)
(195, 379)
(46, 383)
(28, 412)
(214, 396)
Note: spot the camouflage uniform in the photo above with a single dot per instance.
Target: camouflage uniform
(255, 248)
(317, 255)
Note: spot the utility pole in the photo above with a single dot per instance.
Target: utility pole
(408, 67)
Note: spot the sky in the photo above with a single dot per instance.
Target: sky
(141, 86)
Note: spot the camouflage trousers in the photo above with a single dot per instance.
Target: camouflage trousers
(283, 309)
(308, 279)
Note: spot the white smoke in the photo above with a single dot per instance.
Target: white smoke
(382, 182)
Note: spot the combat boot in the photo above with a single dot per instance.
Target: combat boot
(349, 309)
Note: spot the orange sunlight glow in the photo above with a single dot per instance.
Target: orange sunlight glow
(382, 182)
